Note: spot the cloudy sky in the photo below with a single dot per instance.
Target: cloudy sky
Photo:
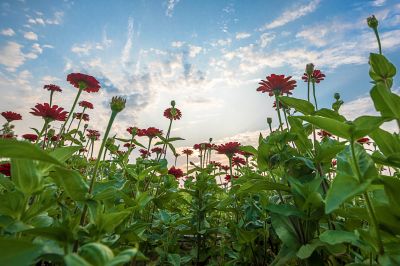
(206, 55)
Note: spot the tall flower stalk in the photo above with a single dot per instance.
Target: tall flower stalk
(373, 24)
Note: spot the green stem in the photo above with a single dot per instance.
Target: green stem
(51, 97)
(308, 88)
(79, 123)
(378, 39)
(167, 137)
(370, 207)
(46, 122)
(187, 164)
(277, 109)
(71, 111)
(315, 98)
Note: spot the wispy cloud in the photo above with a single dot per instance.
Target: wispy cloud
(126, 52)
(8, 32)
(170, 7)
(30, 35)
(242, 35)
(291, 15)
(11, 56)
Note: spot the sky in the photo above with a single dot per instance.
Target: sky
(206, 55)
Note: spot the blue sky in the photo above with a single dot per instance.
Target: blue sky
(207, 55)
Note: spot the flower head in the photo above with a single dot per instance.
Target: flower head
(83, 116)
(217, 164)
(323, 134)
(84, 82)
(11, 116)
(229, 149)
(132, 130)
(364, 140)
(372, 22)
(52, 87)
(5, 169)
(277, 84)
(237, 161)
(144, 153)
(93, 134)
(173, 113)
(187, 152)
(202, 146)
(178, 173)
(129, 145)
(157, 150)
(316, 76)
(225, 167)
(150, 132)
(30, 137)
(117, 104)
(49, 112)
(229, 177)
(86, 104)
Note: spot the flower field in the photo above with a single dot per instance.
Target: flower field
(316, 190)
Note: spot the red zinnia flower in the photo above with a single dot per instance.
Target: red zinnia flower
(229, 149)
(151, 132)
(229, 177)
(93, 134)
(86, 82)
(187, 152)
(178, 173)
(280, 105)
(55, 138)
(130, 130)
(49, 112)
(214, 163)
(52, 87)
(5, 169)
(202, 146)
(7, 136)
(277, 83)
(316, 76)
(11, 116)
(225, 167)
(157, 150)
(173, 113)
(30, 137)
(364, 141)
(85, 117)
(324, 133)
(86, 104)
(333, 163)
(144, 153)
(237, 161)
(129, 145)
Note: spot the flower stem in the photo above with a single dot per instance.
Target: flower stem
(277, 109)
(315, 98)
(71, 111)
(51, 97)
(43, 129)
(378, 39)
(79, 123)
(164, 150)
(308, 89)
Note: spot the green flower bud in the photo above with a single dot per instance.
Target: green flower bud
(85, 126)
(269, 120)
(210, 139)
(173, 103)
(336, 96)
(309, 69)
(372, 22)
(117, 104)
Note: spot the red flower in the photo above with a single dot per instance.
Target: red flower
(55, 138)
(11, 116)
(202, 146)
(129, 145)
(229, 149)
(157, 150)
(277, 83)
(324, 133)
(229, 177)
(7, 136)
(86, 104)
(187, 152)
(52, 87)
(178, 173)
(237, 161)
(280, 105)
(364, 141)
(151, 132)
(214, 163)
(93, 134)
(5, 169)
(49, 112)
(225, 167)
(334, 162)
(316, 76)
(173, 113)
(130, 130)
(83, 81)
(30, 137)
(144, 153)
(85, 117)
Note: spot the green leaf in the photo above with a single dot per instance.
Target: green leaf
(254, 186)
(387, 143)
(126, 256)
(347, 184)
(249, 149)
(72, 182)
(18, 252)
(96, 254)
(26, 176)
(108, 221)
(385, 101)
(284, 229)
(392, 190)
(299, 105)
(364, 125)
(333, 237)
(381, 68)
(285, 210)
(73, 259)
(174, 259)
(306, 250)
(333, 126)
(10, 148)
(330, 114)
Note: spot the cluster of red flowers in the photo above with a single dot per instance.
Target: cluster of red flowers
(173, 113)
(49, 112)
(217, 164)
(83, 116)
(229, 177)
(225, 168)
(203, 146)
(188, 152)
(178, 173)
(316, 76)
(5, 169)
(277, 84)
(86, 104)
(229, 148)
(30, 137)
(83, 81)
(144, 153)
(131, 129)
(52, 87)
(11, 116)
(93, 134)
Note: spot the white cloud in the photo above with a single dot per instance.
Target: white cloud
(30, 35)
(49, 79)
(170, 7)
(194, 50)
(291, 15)
(39, 21)
(378, 2)
(242, 35)
(265, 39)
(57, 18)
(11, 56)
(177, 44)
(126, 52)
(8, 32)
(82, 49)
(221, 42)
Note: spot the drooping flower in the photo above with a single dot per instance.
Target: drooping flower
(173, 113)
(316, 76)
(52, 87)
(364, 140)
(5, 169)
(49, 112)
(178, 173)
(277, 84)
(83, 81)
(93, 134)
(11, 116)
(187, 152)
(228, 178)
(229, 148)
(323, 134)
(237, 161)
(30, 137)
(157, 150)
(86, 104)
(83, 116)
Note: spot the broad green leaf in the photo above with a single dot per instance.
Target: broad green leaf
(299, 105)
(387, 143)
(254, 186)
(333, 126)
(385, 101)
(108, 221)
(26, 176)
(73, 259)
(12, 204)
(333, 237)
(249, 149)
(18, 252)
(306, 250)
(392, 190)
(10, 148)
(330, 114)
(285, 210)
(365, 125)
(72, 182)
(327, 150)
(96, 254)
(263, 150)
(64, 153)
(303, 143)
(284, 229)
(174, 259)
(381, 68)
(125, 256)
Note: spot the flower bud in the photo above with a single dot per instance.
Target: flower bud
(173, 103)
(269, 120)
(372, 22)
(309, 69)
(117, 104)
(336, 96)
(85, 126)
(210, 139)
